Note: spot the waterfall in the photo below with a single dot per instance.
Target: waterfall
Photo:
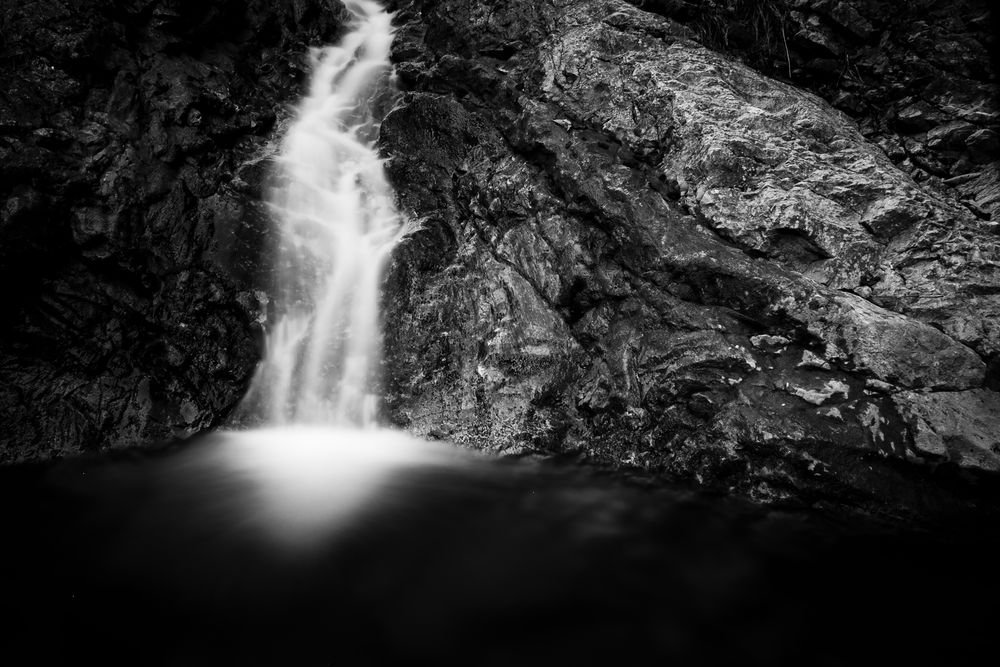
(337, 225)
(319, 455)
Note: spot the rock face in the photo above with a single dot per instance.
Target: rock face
(640, 249)
(750, 244)
(916, 75)
(132, 138)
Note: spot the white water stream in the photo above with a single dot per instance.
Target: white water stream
(337, 224)
(320, 456)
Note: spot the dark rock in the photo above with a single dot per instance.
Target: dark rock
(984, 145)
(950, 135)
(918, 117)
(124, 233)
(792, 305)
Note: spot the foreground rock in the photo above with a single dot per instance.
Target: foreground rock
(641, 250)
(132, 140)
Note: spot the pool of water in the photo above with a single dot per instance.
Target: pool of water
(331, 547)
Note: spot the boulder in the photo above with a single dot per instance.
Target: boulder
(642, 251)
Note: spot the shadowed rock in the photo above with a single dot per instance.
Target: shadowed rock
(133, 138)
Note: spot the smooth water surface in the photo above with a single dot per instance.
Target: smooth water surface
(222, 552)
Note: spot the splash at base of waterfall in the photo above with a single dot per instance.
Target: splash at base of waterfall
(321, 457)
(295, 486)
(337, 225)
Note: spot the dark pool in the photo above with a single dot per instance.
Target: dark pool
(327, 548)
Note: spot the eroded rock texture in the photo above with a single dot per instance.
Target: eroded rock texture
(770, 265)
(132, 139)
(918, 76)
(640, 249)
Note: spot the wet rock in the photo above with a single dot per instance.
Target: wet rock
(820, 395)
(900, 69)
(848, 17)
(639, 250)
(951, 135)
(764, 341)
(961, 427)
(984, 145)
(919, 117)
(128, 239)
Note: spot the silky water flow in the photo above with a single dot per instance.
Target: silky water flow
(318, 454)
(337, 224)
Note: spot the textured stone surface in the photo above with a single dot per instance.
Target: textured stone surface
(641, 250)
(919, 76)
(956, 426)
(633, 248)
(131, 144)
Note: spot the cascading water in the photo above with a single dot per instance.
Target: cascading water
(321, 454)
(337, 224)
